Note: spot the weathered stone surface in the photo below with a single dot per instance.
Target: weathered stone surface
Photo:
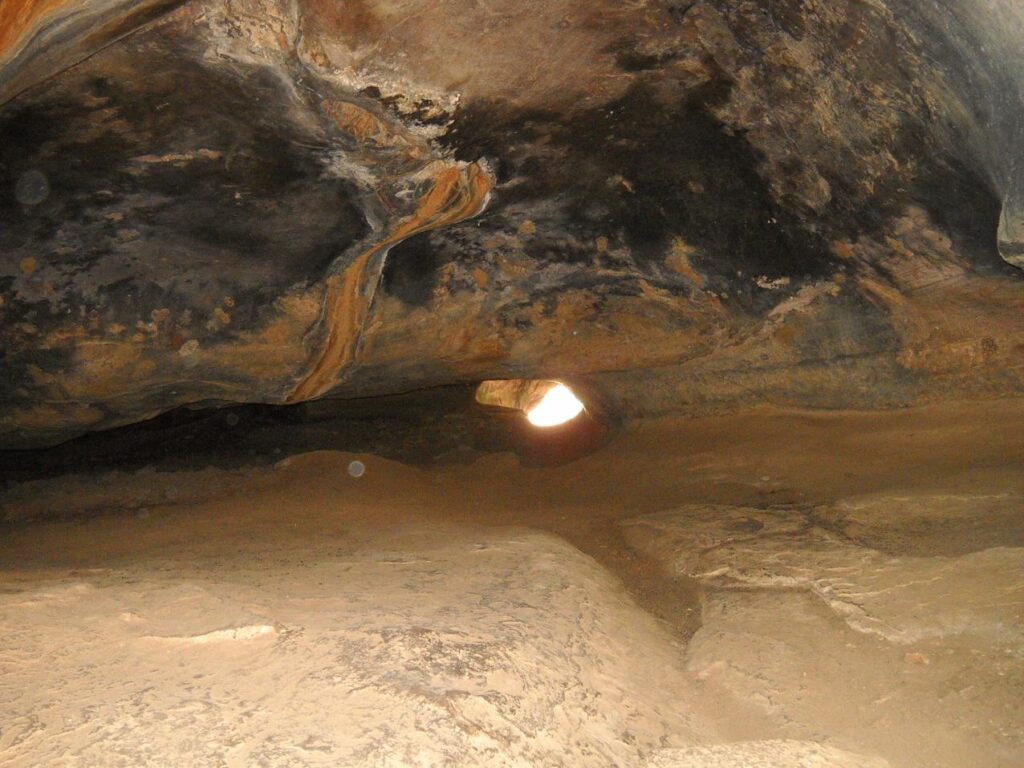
(925, 524)
(763, 754)
(788, 201)
(408, 647)
(806, 624)
(903, 599)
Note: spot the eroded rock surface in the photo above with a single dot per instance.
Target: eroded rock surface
(689, 206)
(902, 599)
(408, 647)
(763, 754)
(820, 633)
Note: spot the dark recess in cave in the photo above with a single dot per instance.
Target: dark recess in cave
(441, 425)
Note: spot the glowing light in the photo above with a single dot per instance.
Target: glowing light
(558, 406)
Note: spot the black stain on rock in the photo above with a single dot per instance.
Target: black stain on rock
(644, 172)
(185, 187)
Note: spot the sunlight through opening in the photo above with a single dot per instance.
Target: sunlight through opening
(558, 406)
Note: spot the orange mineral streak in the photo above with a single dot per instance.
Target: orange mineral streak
(457, 193)
(18, 18)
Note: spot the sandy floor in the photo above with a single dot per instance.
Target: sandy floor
(827, 589)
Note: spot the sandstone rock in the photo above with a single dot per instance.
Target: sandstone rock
(824, 636)
(903, 599)
(805, 203)
(408, 647)
(763, 754)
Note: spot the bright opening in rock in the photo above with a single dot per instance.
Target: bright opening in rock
(558, 406)
(545, 403)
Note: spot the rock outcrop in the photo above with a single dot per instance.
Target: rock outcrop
(709, 203)
(542, 660)
(820, 621)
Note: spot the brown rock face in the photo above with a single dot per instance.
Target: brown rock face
(680, 205)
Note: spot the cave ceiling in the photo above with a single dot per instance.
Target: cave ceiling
(681, 205)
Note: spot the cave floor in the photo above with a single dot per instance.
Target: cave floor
(771, 588)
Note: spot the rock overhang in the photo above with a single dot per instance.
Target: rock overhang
(271, 202)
